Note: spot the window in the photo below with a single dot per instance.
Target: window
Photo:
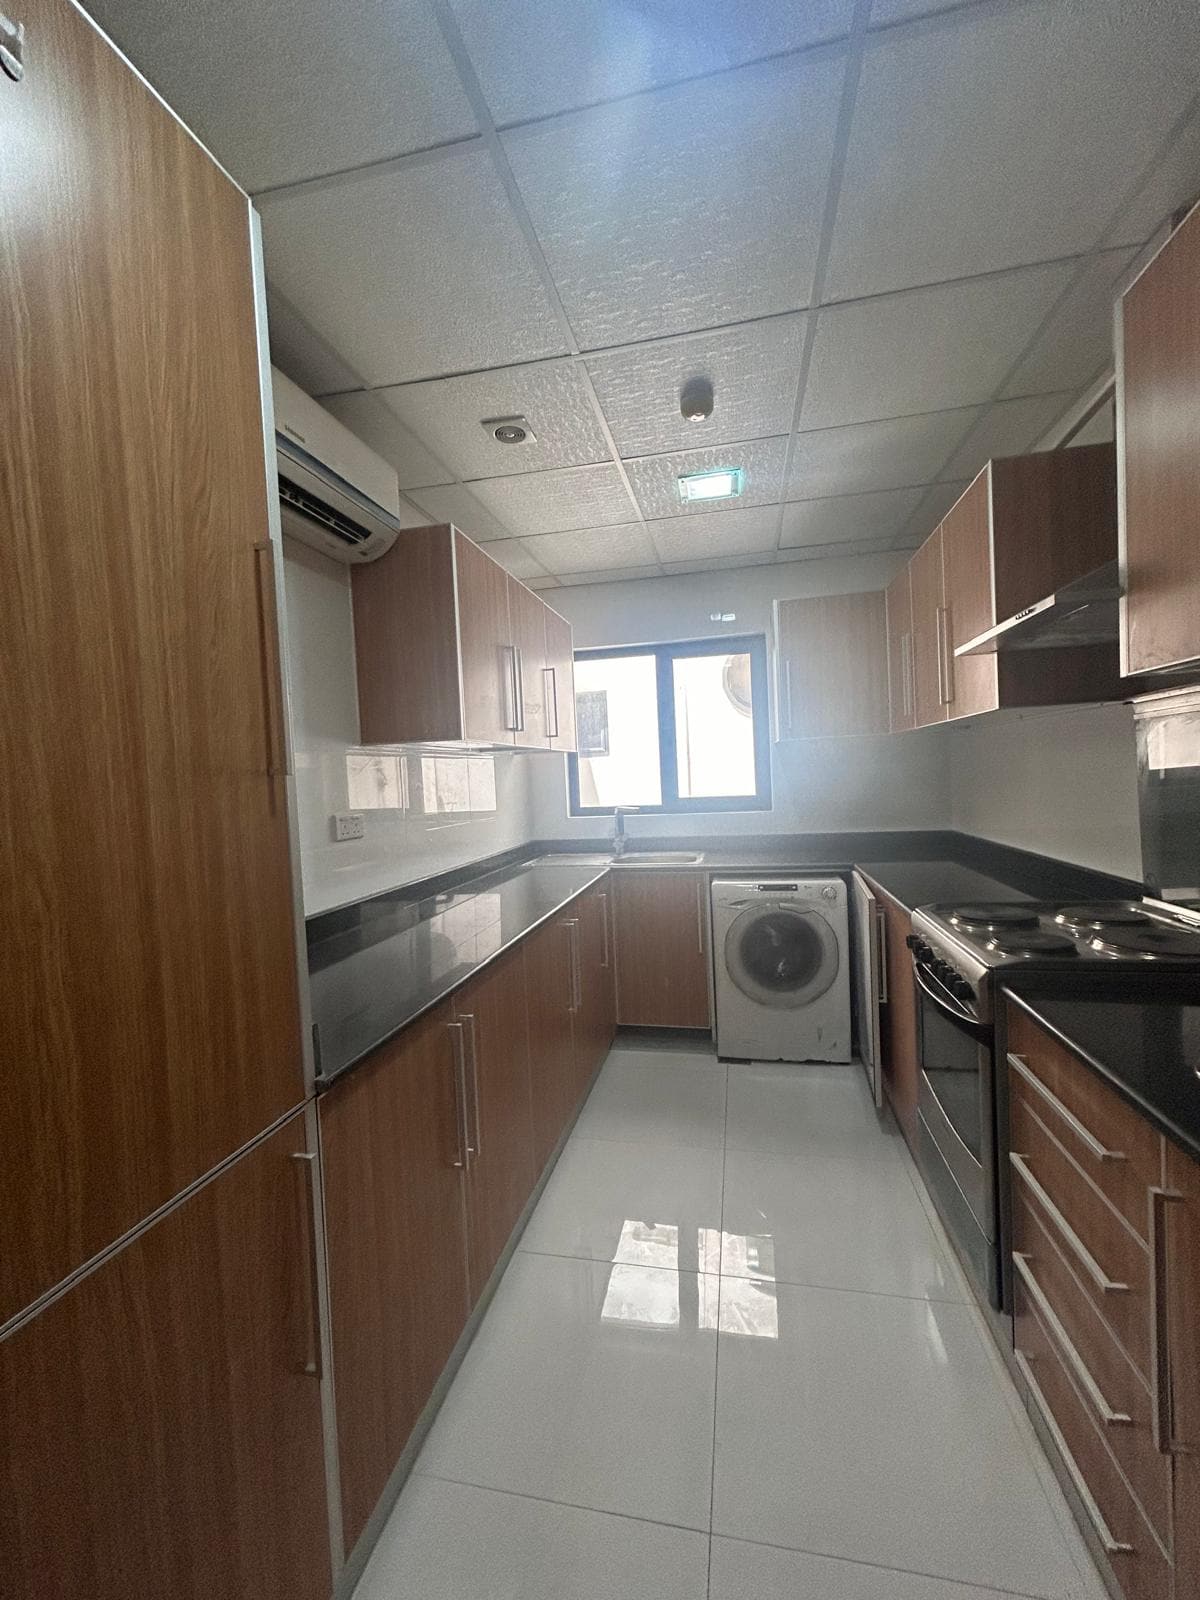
(672, 727)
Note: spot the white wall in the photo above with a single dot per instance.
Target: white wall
(403, 841)
(1062, 782)
(820, 785)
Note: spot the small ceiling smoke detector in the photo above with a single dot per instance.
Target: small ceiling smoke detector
(696, 400)
(510, 430)
(725, 483)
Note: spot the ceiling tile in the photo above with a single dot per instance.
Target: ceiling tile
(753, 369)
(687, 208)
(455, 504)
(552, 502)
(721, 563)
(1008, 429)
(412, 271)
(552, 395)
(655, 479)
(893, 454)
(570, 580)
(848, 516)
(731, 532)
(886, 12)
(366, 414)
(839, 549)
(1030, 122)
(930, 512)
(515, 557)
(303, 355)
(534, 57)
(1175, 182)
(283, 92)
(1077, 343)
(593, 549)
(542, 583)
(927, 350)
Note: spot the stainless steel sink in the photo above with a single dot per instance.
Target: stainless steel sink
(659, 858)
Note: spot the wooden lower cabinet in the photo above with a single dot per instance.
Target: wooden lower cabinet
(661, 922)
(898, 1019)
(393, 1161)
(1179, 1243)
(162, 1420)
(596, 1012)
(549, 973)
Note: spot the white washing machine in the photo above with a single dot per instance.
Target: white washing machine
(781, 954)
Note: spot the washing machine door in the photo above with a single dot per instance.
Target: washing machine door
(781, 955)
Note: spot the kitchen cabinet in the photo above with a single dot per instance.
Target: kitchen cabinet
(661, 922)
(550, 976)
(832, 665)
(970, 683)
(898, 1018)
(596, 1008)
(492, 1020)
(560, 671)
(1158, 429)
(162, 1418)
(449, 647)
(394, 1138)
(151, 1014)
(930, 698)
(1178, 1283)
(897, 603)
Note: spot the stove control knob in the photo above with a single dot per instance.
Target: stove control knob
(914, 942)
(962, 989)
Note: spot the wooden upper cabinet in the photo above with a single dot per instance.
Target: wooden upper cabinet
(661, 924)
(832, 665)
(898, 611)
(560, 671)
(971, 682)
(162, 1418)
(930, 699)
(151, 1021)
(448, 646)
(1158, 423)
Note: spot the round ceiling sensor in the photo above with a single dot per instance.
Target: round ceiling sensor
(510, 430)
(696, 399)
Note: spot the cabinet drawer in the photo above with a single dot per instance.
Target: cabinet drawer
(1136, 1556)
(1112, 1264)
(1119, 1151)
(1111, 1384)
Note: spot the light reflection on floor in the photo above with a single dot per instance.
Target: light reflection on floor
(742, 1302)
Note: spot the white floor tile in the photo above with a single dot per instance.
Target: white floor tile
(790, 1110)
(757, 1572)
(847, 1219)
(642, 1203)
(449, 1541)
(668, 1097)
(872, 1427)
(591, 1385)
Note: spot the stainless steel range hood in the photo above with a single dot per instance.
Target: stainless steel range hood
(1081, 612)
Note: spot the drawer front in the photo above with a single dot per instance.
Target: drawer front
(1108, 1382)
(1135, 1555)
(1119, 1150)
(1112, 1265)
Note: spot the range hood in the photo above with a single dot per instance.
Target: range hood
(1081, 612)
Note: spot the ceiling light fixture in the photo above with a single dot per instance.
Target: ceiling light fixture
(696, 400)
(723, 483)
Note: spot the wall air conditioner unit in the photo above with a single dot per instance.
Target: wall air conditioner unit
(335, 493)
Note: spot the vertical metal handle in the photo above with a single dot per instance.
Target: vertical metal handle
(1161, 1418)
(512, 721)
(12, 48)
(881, 946)
(551, 702)
(455, 1030)
(943, 687)
(906, 673)
(474, 1143)
(519, 661)
(700, 915)
(306, 1163)
(787, 681)
(272, 673)
(602, 896)
(571, 924)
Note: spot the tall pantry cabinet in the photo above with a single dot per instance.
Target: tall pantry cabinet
(150, 1027)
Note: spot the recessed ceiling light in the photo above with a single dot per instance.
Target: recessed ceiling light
(510, 430)
(722, 484)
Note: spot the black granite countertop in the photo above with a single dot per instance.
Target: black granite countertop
(927, 883)
(1147, 1048)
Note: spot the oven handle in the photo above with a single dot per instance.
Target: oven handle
(960, 1019)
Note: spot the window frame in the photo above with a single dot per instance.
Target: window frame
(752, 644)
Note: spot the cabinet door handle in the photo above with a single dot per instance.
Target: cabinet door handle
(306, 1166)
(945, 681)
(906, 673)
(519, 659)
(512, 720)
(700, 915)
(474, 1141)
(1075, 1361)
(272, 675)
(1115, 1547)
(602, 896)
(1081, 1252)
(881, 939)
(552, 731)
(571, 924)
(1161, 1410)
(1084, 1134)
(463, 1149)
(787, 680)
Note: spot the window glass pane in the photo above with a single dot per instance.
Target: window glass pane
(616, 702)
(714, 726)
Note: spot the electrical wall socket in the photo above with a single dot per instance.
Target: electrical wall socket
(348, 825)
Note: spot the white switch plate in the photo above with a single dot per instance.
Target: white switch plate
(348, 825)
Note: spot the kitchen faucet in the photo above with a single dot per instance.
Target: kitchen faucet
(618, 838)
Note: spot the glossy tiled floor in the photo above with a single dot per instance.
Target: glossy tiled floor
(732, 1360)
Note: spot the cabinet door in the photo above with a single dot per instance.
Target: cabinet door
(662, 948)
(393, 1150)
(500, 1172)
(528, 616)
(560, 691)
(550, 980)
(898, 1019)
(898, 608)
(162, 1420)
(1158, 411)
(833, 665)
(930, 695)
(150, 1013)
(970, 681)
(596, 1019)
(1179, 1342)
(487, 645)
